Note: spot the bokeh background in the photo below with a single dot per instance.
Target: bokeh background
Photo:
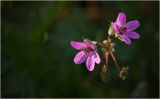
(37, 59)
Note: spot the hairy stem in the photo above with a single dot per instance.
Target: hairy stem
(115, 60)
(107, 55)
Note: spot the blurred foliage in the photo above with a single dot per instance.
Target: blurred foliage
(37, 59)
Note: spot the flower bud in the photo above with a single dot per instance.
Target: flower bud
(123, 73)
(104, 74)
(109, 46)
(94, 42)
(111, 31)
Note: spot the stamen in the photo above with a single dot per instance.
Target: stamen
(121, 29)
(88, 51)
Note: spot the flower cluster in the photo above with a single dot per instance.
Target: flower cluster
(88, 52)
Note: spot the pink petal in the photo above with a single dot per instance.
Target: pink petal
(90, 63)
(96, 57)
(121, 19)
(89, 45)
(114, 27)
(80, 57)
(126, 39)
(132, 25)
(132, 34)
(78, 45)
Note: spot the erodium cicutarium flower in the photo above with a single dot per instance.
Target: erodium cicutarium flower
(124, 30)
(88, 49)
(86, 52)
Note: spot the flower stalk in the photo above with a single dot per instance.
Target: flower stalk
(115, 60)
(107, 55)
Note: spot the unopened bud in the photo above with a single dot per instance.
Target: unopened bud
(94, 42)
(123, 73)
(105, 41)
(104, 74)
(111, 31)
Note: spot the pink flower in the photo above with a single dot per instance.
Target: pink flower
(87, 52)
(125, 30)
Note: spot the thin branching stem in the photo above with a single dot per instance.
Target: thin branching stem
(115, 60)
(107, 55)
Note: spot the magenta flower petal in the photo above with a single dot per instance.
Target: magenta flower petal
(80, 57)
(126, 39)
(90, 63)
(77, 45)
(96, 57)
(121, 19)
(132, 25)
(114, 27)
(89, 45)
(132, 34)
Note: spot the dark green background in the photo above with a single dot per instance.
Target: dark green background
(37, 58)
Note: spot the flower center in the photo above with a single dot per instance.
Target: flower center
(121, 29)
(88, 51)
